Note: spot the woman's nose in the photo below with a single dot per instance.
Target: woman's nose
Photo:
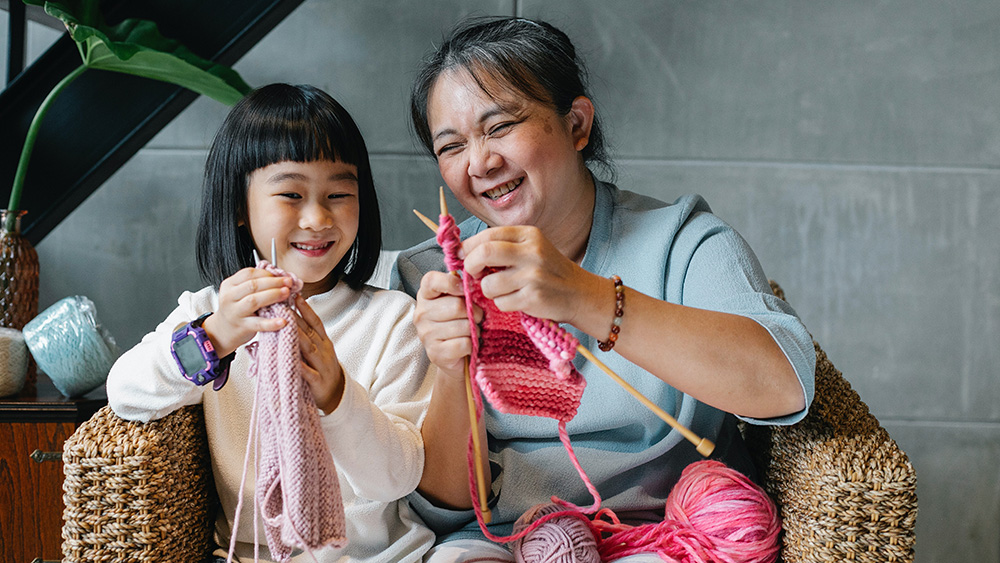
(482, 160)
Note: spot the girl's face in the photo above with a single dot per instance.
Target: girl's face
(511, 160)
(310, 209)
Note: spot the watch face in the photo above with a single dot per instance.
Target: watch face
(189, 354)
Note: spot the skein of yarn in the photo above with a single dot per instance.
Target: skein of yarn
(713, 513)
(566, 539)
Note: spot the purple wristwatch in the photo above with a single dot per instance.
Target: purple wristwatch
(195, 355)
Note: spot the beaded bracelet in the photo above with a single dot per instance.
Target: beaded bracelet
(616, 324)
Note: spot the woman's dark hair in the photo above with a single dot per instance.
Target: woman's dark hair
(276, 123)
(528, 57)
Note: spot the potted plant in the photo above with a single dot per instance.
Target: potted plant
(134, 46)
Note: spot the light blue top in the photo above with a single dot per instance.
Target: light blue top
(680, 253)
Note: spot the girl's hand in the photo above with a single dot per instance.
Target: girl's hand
(534, 277)
(441, 322)
(235, 322)
(320, 367)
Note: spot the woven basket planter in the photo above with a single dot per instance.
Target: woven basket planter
(138, 492)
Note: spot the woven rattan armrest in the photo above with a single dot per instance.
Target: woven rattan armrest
(138, 492)
(845, 489)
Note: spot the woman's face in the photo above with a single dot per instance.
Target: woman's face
(310, 209)
(510, 160)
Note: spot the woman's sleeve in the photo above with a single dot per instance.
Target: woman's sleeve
(723, 274)
(374, 433)
(145, 383)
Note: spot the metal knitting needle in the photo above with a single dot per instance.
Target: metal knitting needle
(704, 446)
(274, 256)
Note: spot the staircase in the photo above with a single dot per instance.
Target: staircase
(104, 118)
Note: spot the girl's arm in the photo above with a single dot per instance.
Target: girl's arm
(374, 431)
(726, 360)
(145, 383)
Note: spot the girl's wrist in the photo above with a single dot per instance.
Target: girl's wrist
(223, 346)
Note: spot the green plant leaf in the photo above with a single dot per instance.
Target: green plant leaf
(137, 47)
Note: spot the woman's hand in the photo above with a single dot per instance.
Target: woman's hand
(235, 322)
(441, 322)
(535, 278)
(320, 367)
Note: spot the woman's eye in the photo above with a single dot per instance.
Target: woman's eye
(290, 195)
(501, 127)
(447, 148)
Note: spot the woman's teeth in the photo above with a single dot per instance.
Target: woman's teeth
(503, 190)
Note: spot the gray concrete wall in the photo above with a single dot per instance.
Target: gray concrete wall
(854, 144)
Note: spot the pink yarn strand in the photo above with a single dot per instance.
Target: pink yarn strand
(523, 365)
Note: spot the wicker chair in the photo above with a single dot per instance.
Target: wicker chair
(144, 492)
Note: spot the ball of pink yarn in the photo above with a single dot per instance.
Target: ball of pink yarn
(713, 513)
(565, 539)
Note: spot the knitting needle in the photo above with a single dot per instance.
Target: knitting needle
(470, 399)
(704, 446)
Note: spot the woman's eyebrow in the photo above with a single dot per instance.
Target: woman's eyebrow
(486, 115)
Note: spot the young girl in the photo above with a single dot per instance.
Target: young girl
(289, 165)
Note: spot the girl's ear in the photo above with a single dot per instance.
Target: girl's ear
(581, 119)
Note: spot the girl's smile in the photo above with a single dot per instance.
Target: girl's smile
(310, 209)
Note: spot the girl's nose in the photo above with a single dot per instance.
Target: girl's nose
(315, 217)
(482, 160)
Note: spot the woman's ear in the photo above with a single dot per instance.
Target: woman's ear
(581, 119)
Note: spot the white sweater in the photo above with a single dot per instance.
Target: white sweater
(373, 434)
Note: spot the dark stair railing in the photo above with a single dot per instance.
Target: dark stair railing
(104, 118)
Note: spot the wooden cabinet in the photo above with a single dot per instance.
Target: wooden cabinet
(33, 427)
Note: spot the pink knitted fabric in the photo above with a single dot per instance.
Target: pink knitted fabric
(297, 488)
(523, 364)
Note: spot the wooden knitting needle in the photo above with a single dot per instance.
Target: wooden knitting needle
(704, 446)
(471, 400)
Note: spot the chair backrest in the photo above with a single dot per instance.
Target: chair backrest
(845, 489)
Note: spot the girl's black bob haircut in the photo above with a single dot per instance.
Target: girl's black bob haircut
(277, 123)
(507, 55)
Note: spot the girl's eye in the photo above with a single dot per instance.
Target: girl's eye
(290, 195)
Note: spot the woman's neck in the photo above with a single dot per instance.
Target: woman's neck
(571, 235)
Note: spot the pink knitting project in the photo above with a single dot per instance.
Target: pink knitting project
(297, 488)
(523, 364)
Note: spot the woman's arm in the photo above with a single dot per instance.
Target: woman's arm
(441, 322)
(726, 360)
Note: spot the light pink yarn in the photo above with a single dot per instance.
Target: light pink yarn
(297, 489)
(566, 539)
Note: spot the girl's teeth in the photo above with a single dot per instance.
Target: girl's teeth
(307, 247)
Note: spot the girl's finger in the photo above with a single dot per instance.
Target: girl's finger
(309, 315)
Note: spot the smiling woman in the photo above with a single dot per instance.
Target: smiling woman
(503, 107)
